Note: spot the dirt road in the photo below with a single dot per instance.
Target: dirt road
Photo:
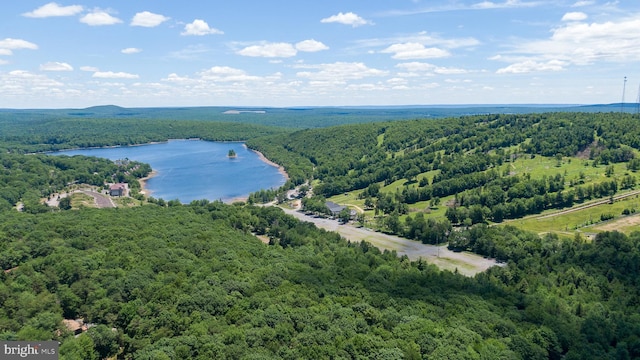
(466, 263)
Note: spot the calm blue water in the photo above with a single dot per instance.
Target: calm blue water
(192, 169)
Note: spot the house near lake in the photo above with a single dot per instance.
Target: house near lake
(119, 189)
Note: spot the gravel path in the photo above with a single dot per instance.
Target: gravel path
(466, 263)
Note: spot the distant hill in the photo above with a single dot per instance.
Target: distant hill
(103, 110)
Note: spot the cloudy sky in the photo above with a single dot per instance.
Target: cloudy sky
(147, 53)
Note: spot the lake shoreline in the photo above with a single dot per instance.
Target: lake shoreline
(146, 192)
(264, 158)
(143, 183)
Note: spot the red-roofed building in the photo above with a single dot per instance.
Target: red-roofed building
(118, 189)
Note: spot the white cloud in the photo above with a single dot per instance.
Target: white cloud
(89, 68)
(99, 18)
(269, 50)
(226, 74)
(191, 52)
(130, 50)
(461, 6)
(574, 16)
(580, 43)
(338, 72)
(148, 19)
(430, 69)
(416, 67)
(583, 3)
(5, 52)
(56, 66)
(23, 82)
(311, 46)
(175, 78)
(423, 38)
(198, 28)
(366, 87)
(532, 66)
(53, 9)
(504, 5)
(449, 71)
(222, 78)
(347, 19)
(114, 75)
(412, 50)
(16, 44)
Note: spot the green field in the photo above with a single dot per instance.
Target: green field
(576, 171)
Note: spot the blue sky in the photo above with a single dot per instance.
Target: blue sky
(148, 53)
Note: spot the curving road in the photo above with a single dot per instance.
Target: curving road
(101, 200)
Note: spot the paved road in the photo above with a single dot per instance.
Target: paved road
(466, 263)
(101, 200)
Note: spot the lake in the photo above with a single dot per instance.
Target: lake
(190, 170)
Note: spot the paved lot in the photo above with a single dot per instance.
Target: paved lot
(466, 263)
(101, 200)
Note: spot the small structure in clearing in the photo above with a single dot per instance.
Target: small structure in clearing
(119, 189)
(334, 208)
(77, 326)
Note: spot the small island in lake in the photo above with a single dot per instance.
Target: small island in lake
(232, 154)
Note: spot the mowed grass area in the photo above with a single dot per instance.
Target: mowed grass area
(79, 200)
(588, 220)
(576, 171)
(571, 168)
(351, 198)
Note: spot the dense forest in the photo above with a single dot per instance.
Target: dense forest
(208, 280)
(463, 157)
(352, 157)
(30, 178)
(42, 134)
(294, 117)
(192, 281)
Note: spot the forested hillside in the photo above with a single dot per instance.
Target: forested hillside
(171, 281)
(30, 178)
(192, 282)
(470, 164)
(39, 134)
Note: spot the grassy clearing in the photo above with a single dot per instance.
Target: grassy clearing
(571, 168)
(575, 171)
(585, 220)
(82, 200)
(126, 202)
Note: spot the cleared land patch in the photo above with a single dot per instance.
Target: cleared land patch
(465, 263)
